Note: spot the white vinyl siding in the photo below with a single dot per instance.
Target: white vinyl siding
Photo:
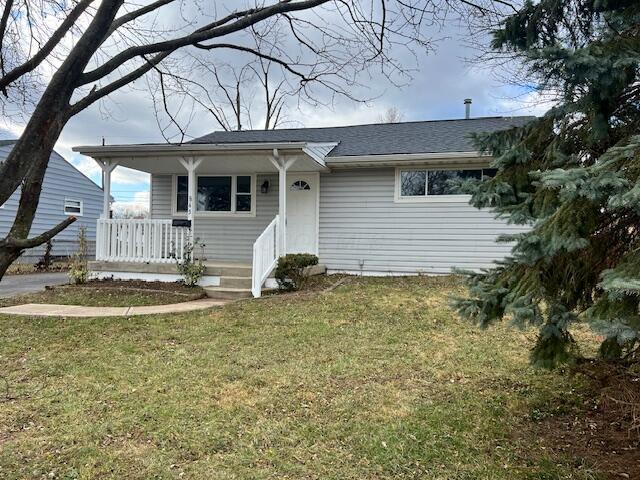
(359, 221)
(361, 224)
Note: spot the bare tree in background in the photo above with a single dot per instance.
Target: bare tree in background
(59, 58)
(391, 115)
(238, 96)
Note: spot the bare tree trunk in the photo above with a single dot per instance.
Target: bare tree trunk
(238, 108)
(7, 257)
(27, 162)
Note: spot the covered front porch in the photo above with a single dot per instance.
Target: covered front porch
(240, 203)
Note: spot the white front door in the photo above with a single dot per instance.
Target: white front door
(302, 212)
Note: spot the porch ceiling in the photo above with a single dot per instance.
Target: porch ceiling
(216, 159)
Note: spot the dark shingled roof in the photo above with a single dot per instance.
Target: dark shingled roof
(435, 136)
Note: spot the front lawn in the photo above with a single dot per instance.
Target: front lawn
(374, 379)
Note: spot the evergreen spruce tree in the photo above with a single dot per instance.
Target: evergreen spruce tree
(573, 176)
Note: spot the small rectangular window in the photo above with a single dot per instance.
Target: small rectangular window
(72, 207)
(182, 193)
(243, 184)
(243, 193)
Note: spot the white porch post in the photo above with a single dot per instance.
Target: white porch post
(282, 167)
(282, 210)
(107, 166)
(191, 164)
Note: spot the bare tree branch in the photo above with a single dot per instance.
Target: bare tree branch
(37, 59)
(257, 53)
(3, 29)
(24, 243)
(98, 93)
(240, 21)
(131, 16)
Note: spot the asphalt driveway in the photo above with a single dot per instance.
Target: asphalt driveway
(12, 285)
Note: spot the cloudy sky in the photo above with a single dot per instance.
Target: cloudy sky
(436, 91)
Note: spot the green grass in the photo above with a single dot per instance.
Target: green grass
(377, 379)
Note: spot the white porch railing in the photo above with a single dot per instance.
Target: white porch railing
(129, 240)
(265, 256)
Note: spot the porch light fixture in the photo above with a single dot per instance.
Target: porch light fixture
(264, 188)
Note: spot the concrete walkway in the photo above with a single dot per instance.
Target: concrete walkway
(47, 310)
(31, 282)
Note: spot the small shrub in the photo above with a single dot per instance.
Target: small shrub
(79, 267)
(291, 272)
(190, 269)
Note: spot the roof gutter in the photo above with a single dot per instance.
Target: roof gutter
(100, 151)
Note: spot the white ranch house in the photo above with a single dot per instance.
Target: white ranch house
(367, 199)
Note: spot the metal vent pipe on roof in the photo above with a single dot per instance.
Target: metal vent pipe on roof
(467, 108)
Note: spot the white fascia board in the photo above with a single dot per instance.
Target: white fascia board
(404, 159)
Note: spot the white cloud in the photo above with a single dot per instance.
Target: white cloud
(531, 103)
(86, 165)
(128, 176)
(137, 207)
(121, 175)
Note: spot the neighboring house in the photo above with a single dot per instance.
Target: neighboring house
(65, 191)
(367, 199)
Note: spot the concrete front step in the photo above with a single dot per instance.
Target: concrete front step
(235, 282)
(227, 270)
(222, 293)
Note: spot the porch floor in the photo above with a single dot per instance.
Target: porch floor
(215, 268)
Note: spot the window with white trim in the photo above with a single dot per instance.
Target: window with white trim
(72, 207)
(422, 183)
(216, 193)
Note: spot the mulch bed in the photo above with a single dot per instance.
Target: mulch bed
(604, 430)
(139, 286)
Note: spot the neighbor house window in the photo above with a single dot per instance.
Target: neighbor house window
(72, 207)
(219, 193)
(422, 183)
